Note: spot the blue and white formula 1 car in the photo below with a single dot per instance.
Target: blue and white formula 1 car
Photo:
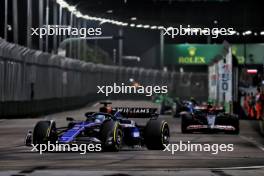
(111, 130)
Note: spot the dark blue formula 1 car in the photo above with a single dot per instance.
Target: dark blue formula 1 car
(112, 130)
(208, 118)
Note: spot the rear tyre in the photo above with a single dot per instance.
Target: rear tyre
(44, 131)
(185, 123)
(183, 126)
(235, 123)
(111, 136)
(157, 134)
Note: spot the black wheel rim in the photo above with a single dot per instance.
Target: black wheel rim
(119, 139)
(165, 135)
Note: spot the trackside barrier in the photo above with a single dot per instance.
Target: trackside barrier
(34, 82)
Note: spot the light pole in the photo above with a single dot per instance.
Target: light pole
(120, 46)
(161, 49)
(55, 21)
(29, 23)
(47, 23)
(79, 42)
(40, 23)
(60, 21)
(70, 44)
(6, 15)
(72, 9)
(15, 21)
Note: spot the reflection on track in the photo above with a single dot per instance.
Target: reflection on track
(14, 156)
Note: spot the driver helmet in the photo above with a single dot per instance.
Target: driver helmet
(99, 118)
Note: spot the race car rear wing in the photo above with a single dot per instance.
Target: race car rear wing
(136, 112)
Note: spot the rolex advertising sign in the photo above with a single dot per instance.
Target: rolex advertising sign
(203, 54)
(191, 54)
(192, 58)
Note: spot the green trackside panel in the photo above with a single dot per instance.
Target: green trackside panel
(238, 50)
(202, 54)
(249, 53)
(227, 107)
(191, 54)
(255, 53)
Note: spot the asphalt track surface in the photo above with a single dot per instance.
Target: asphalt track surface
(246, 159)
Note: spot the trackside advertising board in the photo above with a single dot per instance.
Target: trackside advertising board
(220, 80)
(213, 81)
(191, 54)
(203, 54)
(225, 78)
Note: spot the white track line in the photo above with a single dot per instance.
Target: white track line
(238, 168)
(251, 140)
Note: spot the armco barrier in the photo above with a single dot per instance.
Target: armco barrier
(33, 82)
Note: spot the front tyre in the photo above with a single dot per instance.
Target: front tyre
(157, 134)
(44, 131)
(111, 136)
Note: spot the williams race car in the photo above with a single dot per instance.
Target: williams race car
(208, 118)
(112, 130)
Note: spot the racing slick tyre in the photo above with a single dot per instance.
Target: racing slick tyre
(235, 123)
(157, 133)
(185, 123)
(184, 126)
(111, 136)
(236, 131)
(44, 131)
